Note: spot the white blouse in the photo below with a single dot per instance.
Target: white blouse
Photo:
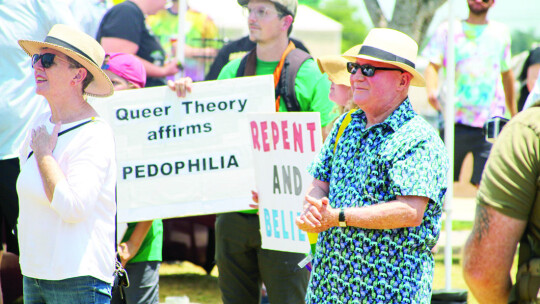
(74, 234)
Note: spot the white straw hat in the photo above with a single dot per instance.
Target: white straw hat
(389, 46)
(81, 48)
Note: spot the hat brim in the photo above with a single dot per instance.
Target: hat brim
(417, 80)
(101, 85)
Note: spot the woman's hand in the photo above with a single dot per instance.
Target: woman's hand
(181, 86)
(43, 143)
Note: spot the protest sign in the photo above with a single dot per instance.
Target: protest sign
(284, 144)
(185, 156)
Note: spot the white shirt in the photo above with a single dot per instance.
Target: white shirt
(74, 234)
(19, 104)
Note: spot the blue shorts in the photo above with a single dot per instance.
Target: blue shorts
(78, 290)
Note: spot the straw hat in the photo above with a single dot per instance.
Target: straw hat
(81, 48)
(336, 68)
(389, 46)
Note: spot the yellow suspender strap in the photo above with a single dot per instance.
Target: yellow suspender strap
(344, 124)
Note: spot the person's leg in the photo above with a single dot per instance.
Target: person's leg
(143, 284)
(285, 281)
(78, 290)
(237, 237)
(480, 150)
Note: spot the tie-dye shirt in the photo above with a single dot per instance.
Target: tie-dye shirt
(482, 52)
(402, 156)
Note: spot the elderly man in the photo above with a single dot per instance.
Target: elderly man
(376, 201)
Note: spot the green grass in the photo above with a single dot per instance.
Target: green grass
(459, 225)
(187, 279)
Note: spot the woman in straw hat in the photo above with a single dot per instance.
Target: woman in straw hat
(67, 182)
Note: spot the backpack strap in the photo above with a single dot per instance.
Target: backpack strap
(287, 80)
(248, 64)
(285, 88)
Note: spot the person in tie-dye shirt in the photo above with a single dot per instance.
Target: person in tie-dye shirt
(482, 56)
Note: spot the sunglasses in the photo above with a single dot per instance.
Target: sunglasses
(366, 69)
(47, 59)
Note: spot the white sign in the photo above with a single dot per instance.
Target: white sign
(185, 156)
(284, 144)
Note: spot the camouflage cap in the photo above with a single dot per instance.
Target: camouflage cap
(289, 5)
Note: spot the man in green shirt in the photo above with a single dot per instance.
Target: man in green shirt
(508, 207)
(243, 264)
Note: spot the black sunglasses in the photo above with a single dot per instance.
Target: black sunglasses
(47, 59)
(366, 69)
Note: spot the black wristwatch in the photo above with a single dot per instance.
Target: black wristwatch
(342, 221)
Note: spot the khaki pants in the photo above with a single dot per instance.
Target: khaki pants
(243, 265)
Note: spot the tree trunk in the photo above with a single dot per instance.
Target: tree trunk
(410, 16)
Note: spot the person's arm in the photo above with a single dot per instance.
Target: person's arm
(532, 75)
(318, 215)
(120, 45)
(489, 254)
(432, 82)
(509, 91)
(128, 249)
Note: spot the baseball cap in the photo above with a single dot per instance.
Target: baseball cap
(289, 5)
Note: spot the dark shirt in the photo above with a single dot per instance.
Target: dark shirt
(127, 21)
(235, 49)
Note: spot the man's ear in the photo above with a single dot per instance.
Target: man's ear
(287, 22)
(406, 79)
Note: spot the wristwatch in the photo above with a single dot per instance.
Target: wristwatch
(341, 219)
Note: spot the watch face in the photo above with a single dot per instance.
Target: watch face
(342, 224)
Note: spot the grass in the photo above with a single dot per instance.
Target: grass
(188, 279)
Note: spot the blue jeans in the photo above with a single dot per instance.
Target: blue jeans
(79, 290)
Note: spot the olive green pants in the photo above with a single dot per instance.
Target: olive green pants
(243, 265)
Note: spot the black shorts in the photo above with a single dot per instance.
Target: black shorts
(9, 204)
(470, 139)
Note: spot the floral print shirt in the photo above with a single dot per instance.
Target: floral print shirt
(401, 156)
(482, 52)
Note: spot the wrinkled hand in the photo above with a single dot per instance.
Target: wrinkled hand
(317, 216)
(181, 86)
(43, 143)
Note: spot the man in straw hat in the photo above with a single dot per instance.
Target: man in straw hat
(376, 201)
(243, 264)
(67, 182)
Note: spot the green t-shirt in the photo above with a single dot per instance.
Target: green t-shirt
(511, 181)
(151, 247)
(311, 87)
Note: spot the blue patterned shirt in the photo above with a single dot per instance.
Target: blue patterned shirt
(402, 156)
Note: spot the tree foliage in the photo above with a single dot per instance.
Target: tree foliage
(354, 30)
(523, 41)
